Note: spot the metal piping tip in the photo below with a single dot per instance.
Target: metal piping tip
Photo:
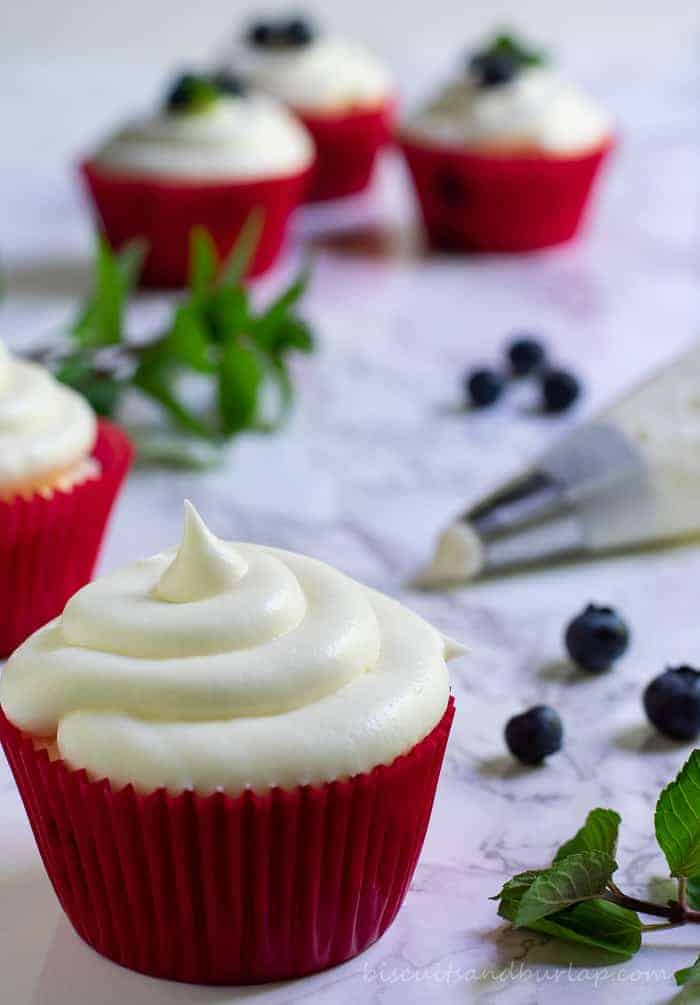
(459, 556)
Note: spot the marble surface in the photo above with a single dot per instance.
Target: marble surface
(376, 459)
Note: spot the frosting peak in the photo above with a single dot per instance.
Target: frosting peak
(203, 566)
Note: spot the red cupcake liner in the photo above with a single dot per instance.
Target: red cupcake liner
(165, 212)
(49, 545)
(473, 202)
(347, 144)
(230, 890)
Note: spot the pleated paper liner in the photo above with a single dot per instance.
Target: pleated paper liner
(475, 202)
(230, 890)
(347, 144)
(164, 212)
(49, 544)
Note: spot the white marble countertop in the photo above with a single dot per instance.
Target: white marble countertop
(375, 460)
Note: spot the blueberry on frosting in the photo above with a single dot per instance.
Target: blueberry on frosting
(502, 60)
(230, 83)
(196, 92)
(290, 32)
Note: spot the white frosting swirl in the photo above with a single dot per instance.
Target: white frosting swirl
(45, 427)
(226, 666)
(246, 137)
(325, 75)
(536, 110)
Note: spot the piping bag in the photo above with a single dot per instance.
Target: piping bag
(629, 477)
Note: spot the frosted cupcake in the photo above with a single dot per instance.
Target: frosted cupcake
(214, 152)
(340, 91)
(504, 157)
(60, 471)
(228, 754)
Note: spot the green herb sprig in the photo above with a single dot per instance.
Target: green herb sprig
(576, 898)
(214, 334)
(507, 44)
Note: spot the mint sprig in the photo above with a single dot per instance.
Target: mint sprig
(237, 356)
(576, 900)
(508, 45)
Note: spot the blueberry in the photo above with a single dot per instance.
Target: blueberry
(298, 31)
(560, 389)
(484, 387)
(260, 33)
(229, 83)
(526, 355)
(672, 703)
(596, 638)
(534, 734)
(493, 69)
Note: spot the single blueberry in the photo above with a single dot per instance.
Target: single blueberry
(230, 83)
(526, 355)
(484, 387)
(596, 638)
(672, 703)
(298, 31)
(260, 33)
(560, 389)
(493, 69)
(533, 735)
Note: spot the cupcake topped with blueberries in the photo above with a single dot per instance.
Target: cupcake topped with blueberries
(504, 156)
(507, 98)
(211, 153)
(339, 89)
(209, 127)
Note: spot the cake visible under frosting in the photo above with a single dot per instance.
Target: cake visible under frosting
(47, 430)
(226, 666)
(535, 111)
(252, 136)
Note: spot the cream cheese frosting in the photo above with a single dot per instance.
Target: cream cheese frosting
(237, 137)
(45, 427)
(538, 109)
(325, 75)
(229, 666)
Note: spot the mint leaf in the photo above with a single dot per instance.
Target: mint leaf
(507, 44)
(599, 833)
(594, 923)
(694, 892)
(102, 321)
(582, 876)
(187, 340)
(689, 975)
(204, 262)
(241, 374)
(154, 377)
(677, 820)
(226, 313)
(102, 390)
(236, 266)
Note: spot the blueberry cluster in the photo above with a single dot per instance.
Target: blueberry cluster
(594, 640)
(526, 357)
(282, 33)
(193, 92)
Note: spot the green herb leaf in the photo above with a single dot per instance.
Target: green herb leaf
(677, 820)
(154, 377)
(102, 390)
(508, 44)
(236, 267)
(599, 833)
(102, 321)
(594, 923)
(226, 313)
(204, 262)
(187, 340)
(689, 975)
(694, 892)
(578, 877)
(241, 374)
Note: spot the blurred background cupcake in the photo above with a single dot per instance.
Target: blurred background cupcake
(504, 157)
(340, 90)
(211, 154)
(243, 722)
(60, 471)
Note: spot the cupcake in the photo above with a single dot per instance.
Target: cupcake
(211, 155)
(228, 754)
(339, 90)
(60, 471)
(504, 157)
